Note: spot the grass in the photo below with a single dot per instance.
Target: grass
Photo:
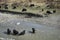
(34, 10)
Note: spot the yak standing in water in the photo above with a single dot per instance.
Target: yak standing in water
(8, 31)
(33, 30)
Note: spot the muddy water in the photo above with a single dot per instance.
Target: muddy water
(42, 32)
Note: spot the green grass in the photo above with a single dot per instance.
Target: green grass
(29, 9)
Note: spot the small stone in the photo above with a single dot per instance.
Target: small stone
(18, 23)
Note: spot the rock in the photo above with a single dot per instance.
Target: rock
(18, 23)
(22, 33)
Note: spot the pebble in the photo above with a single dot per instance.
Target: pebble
(18, 23)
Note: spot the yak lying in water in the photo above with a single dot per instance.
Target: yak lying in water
(15, 32)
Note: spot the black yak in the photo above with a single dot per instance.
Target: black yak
(42, 9)
(54, 11)
(8, 31)
(32, 5)
(6, 6)
(33, 31)
(15, 32)
(0, 6)
(24, 9)
(14, 7)
(48, 12)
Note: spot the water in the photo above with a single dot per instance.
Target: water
(42, 32)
